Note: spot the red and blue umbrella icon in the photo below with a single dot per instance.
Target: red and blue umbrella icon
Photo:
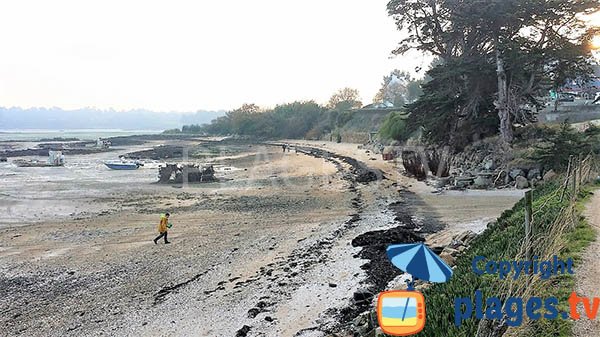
(419, 261)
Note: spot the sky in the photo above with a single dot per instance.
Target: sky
(189, 55)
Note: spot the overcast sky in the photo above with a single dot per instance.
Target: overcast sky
(189, 55)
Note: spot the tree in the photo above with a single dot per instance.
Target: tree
(394, 126)
(398, 88)
(558, 144)
(530, 45)
(344, 99)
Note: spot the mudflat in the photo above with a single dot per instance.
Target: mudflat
(266, 251)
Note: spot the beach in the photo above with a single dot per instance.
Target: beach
(266, 251)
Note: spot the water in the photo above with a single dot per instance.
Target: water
(83, 134)
(33, 194)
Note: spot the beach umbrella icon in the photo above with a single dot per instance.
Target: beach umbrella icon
(419, 261)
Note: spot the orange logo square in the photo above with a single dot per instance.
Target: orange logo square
(401, 312)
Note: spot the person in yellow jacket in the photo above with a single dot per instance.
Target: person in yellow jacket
(163, 227)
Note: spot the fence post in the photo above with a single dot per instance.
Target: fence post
(562, 196)
(580, 171)
(528, 226)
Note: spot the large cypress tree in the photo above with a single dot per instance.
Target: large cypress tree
(497, 57)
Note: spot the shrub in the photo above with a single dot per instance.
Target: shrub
(394, 126)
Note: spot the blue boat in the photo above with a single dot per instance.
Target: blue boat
(123, 165)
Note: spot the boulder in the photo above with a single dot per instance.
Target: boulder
(465, 237)
(449, 259)
(482, 183)
(362, 295)
(549, 175)
(489, 165)
(361, 322)
(507, 178)
(521, 183)
(516, 172)
(441, 182)
(534, 182)
(463, 181)
(534, 174)
(449, 251)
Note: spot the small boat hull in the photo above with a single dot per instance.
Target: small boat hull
(122, 166)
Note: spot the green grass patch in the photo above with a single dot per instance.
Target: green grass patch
(502, 241)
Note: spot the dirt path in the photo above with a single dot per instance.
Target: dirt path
(587, 274)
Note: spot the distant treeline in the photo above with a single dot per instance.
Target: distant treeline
(305, 119)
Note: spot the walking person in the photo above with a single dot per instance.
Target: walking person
(163, 227)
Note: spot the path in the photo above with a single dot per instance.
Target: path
(587, 275)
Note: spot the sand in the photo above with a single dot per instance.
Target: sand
(267, 248)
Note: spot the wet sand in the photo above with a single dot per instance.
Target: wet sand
(265, 252)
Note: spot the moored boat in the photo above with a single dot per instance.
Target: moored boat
(123, 165)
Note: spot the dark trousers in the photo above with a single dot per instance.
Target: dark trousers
(163, 234)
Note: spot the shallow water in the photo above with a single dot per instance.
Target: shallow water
(82, 134)
(29, 194)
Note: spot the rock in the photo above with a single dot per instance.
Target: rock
(534, 174)
(482, 183)
(399, 282)
(463, 182)
(507, 178)
(253, 312)
(516, 172)
(362, 295)
(534, 182)
(362, 319)
(465, 237)
(521, 183)
(332, 285)
(379, 332)
(243, 332)
(422, 286)
(362, 330)
(489, 164)
(449, 251)
(441, 182)
(549, 175)
(449, 259)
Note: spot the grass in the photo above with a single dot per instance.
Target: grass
(503, 241)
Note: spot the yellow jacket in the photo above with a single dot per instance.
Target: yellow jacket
(162, 226)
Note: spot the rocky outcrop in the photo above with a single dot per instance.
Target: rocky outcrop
(191, 173)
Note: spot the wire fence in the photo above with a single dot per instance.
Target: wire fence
(543, 240)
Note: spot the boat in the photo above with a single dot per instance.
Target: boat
(123, 165)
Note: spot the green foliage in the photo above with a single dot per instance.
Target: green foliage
(172, 131)
(344, 99)
(557, 145)
(394, 126)
(293, 120)
(457, 103)
(500, 241)
(541, 44)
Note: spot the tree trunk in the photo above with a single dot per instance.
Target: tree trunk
(506, 132)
